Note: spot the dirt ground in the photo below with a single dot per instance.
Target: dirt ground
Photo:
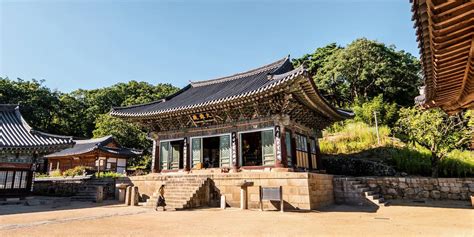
(109, 219)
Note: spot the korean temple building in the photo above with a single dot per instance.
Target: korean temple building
(101, 154)
(22, 150)
(266, 118)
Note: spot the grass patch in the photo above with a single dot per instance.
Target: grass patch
(353, 137)
(358, 140)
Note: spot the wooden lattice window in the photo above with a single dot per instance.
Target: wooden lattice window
(302, 160)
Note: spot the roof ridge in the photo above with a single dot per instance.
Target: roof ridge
(8, 107)
(138, 105)
(96, 140)
(254, 71)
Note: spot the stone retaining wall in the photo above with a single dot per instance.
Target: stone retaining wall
(412, 188)
(303, 191)
(421, 188)
(67, 187)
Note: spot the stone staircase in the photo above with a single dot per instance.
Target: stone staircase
(183, 192)
(88, 191)
(365, 192)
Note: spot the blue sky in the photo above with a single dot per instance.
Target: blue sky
(90, 44)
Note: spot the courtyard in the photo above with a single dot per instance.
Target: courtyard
(448, 218)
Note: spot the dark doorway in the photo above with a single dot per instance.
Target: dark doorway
(210, 152)
(177, 160)
(251, 149)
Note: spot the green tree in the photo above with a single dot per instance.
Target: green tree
(127, 134)
(330, 87)
(387, 113)
(434, 130)
(38, 103)
(363, 70)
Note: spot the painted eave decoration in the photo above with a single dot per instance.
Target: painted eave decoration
(445, 35)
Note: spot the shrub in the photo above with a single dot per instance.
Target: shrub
(110, 175)
(41, 175)
(55, 173)
(78, 170)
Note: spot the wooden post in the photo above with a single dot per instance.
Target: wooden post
(377, 127)
(284, 152)
(308, 148)
(155, 159)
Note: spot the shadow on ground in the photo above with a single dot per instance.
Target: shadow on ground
(45, 204)
(432, 203)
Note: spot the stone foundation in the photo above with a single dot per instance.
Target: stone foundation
(301, 191)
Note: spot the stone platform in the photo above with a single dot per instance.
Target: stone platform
(301, 190)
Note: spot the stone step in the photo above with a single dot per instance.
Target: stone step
(369, 193)
(359, 185)
(84, 195)
(362, 190)
(181, 188)
(83, 198)
(182, 193)
(183, 185)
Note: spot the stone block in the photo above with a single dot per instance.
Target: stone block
(428, 187)
(298, 182)
(392, 191)
(455, 189)
(254, 198)
(444, 189)
(435, 194)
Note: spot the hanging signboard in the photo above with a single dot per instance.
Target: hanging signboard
(234, 149)
(278, 142)
(201, 117)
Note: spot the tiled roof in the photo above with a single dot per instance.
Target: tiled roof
(216, 91)
(86, 146)
(15, 133)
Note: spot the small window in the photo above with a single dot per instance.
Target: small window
(3, 178)
(9, 179)
(17, 180)
(24, 179)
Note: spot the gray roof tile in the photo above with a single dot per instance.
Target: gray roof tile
(15, 133)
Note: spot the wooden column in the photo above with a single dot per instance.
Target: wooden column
(234, 143)
(284, 154)
(308, 148)
(155, 157)
(319, 162)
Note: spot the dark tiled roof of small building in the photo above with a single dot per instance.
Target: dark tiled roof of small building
(86, 146)
(15, 133)
(211, 92)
